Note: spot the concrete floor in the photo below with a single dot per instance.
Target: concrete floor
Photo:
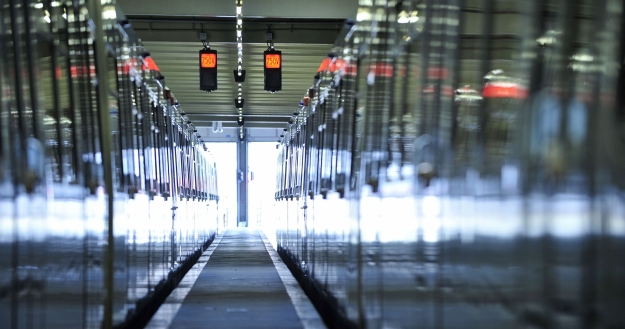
(238, 288)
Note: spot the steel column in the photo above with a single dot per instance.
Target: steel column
(242, 146)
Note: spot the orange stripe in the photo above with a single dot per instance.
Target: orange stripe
(324, 65)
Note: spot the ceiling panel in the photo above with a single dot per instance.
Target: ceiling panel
(256, 8)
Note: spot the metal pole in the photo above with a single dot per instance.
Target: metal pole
(95, 11)
(242, 146)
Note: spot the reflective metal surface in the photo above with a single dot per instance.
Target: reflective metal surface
(90, 238)
(458, 164)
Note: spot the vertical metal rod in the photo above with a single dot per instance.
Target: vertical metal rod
(487, 28)
(75, 117)
(32, 57)
(242, 147)
(19, 97)
(100, 54)
(58, 112)
(19, 103)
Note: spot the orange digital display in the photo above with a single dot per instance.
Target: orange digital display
(273, 61)
(208, 61)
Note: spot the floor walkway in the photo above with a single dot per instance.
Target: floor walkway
(243, 284)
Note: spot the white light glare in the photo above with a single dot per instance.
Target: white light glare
(363, 16)
(431, 206)
(39, 5)
(109, 12)
(583, 57)
(239, 22)
(238, 10)
(413, 16)
(404, 17)
(238, 34)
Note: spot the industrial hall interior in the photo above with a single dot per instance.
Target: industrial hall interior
(341, 164)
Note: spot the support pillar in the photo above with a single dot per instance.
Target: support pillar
(242, 169)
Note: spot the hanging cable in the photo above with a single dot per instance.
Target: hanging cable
(240, 73)
(239, 38)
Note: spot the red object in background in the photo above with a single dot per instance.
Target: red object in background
(337, 65)
(332, 65)
(151, 65)
(504, 90)
(382, 70)
(82, 71)
(351, 69)
(126, 65)
(328, 64)
(437, 73)
(325, 64)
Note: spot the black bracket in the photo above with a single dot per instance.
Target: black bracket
(239, 78)
(239, 104)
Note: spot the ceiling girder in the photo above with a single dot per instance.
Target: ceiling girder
(221, 29)
(256, 8)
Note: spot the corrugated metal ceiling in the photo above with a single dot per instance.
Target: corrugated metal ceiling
(178, 62)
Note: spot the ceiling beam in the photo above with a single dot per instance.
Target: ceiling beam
(259, 124)
(222, 29)
(256, 8)
(230, 120)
